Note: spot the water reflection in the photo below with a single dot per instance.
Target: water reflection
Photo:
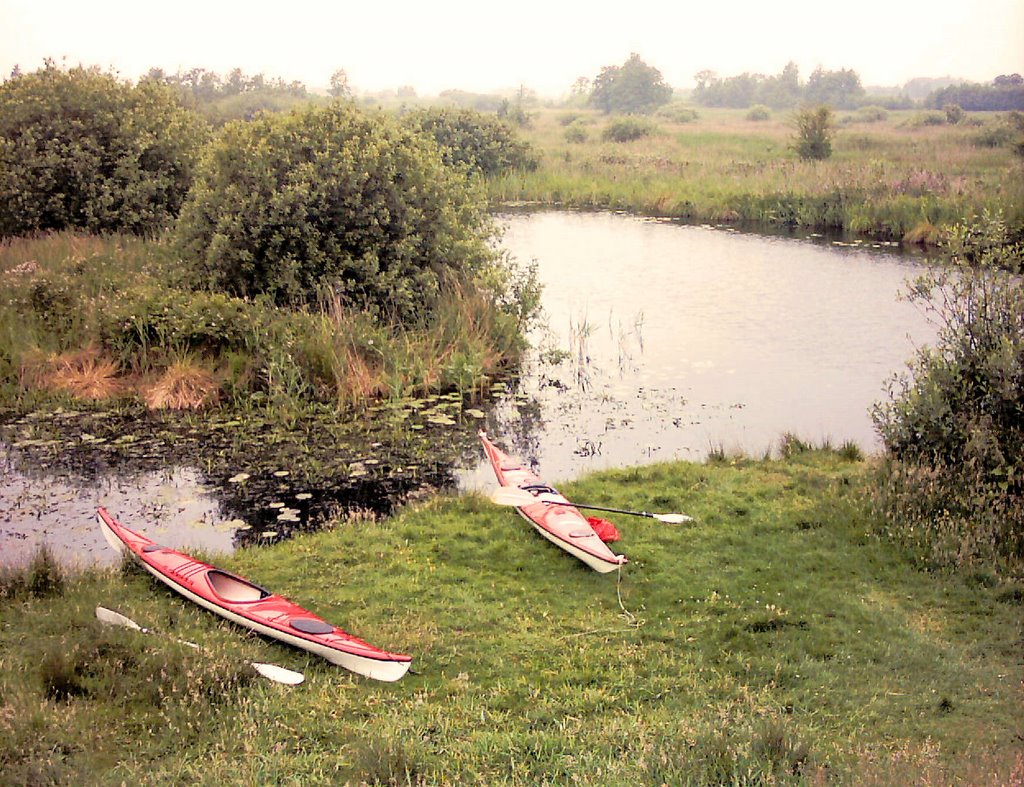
(678, 339)
(173, 506)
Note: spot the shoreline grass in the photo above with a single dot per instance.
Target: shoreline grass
(776, 640)
(891, 179)
(92, 318)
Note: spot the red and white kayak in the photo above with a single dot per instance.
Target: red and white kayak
(249, 605)
(553, 516)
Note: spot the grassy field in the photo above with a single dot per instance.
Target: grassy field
(892, 178)
(775, 640)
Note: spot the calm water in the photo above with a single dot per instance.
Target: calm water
(686, 338)
(662, 341)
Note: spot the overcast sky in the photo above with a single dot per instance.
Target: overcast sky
(481, 46)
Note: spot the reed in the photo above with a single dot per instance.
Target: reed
(885, 177)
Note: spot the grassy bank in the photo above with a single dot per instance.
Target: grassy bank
(896, 177)
(776, 639)
(92, 317)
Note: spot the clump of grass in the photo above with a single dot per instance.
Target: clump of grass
(924, 233)
(43, 577)
(184, 385)
(791, 446)
(84, 374)
(387, 762)
(850, 451)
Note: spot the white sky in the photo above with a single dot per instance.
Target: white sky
(480, 46)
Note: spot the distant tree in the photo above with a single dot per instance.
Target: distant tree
(632, 88)
(704, 78)
(1004, 94)
(746, 90)
(839, 89)
(1008, 80)
(581, 87)
(81, 149)
(814, 127)
(784, 90)
(339, 85)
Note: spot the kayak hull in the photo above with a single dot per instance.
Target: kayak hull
(553, 516)
(249, 605)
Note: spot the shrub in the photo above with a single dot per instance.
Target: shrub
(626, 129)
(483, 143)
(332, 198)
(759, 113)
(678, 113)
(81, 149)
(576, 133)
(954, 429)
(954, 114)
(927, 119)
(871, 114)
(815, 128)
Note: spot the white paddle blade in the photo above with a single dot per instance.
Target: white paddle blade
(112, 618)
(278, 674)
(673, 519)
(512, 496)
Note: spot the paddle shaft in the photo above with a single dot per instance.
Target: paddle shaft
(270, 671)
(605, 509)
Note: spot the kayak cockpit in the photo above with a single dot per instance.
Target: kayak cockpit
(234, 589)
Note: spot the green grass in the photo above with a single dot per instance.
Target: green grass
(885, 178)
(776, 640)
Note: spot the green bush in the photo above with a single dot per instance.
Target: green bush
(627, 129)
(759, 113)
(678, 112)
(871, 114)
(483, 143)
(927, 119)
(954, 429)
(576, 133)
(331, 198)
(80, 149)
(954, 114)
(814, 131)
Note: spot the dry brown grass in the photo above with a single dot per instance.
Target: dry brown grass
(184, 385)
(84, 374)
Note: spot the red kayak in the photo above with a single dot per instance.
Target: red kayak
(249, 605)
(553, 516)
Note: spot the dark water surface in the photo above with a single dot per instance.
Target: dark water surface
(661, 341)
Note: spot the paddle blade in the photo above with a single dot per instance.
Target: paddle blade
(278, 674)
(673, 519)
(112, 618)
(512, 496)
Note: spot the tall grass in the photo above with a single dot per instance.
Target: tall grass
(884, 178)
(101, 317)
